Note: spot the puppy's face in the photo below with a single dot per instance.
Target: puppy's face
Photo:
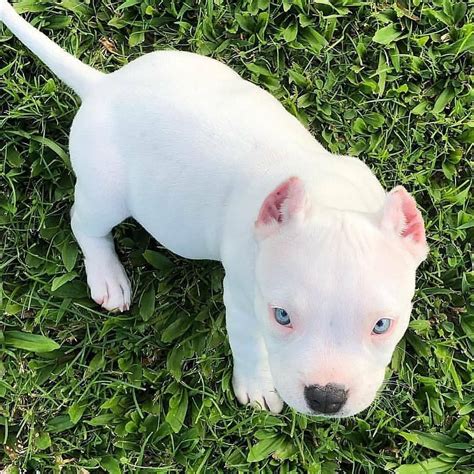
(333, 296)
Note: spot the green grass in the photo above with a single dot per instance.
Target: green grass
(150, 391)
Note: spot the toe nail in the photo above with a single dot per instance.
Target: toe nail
(266, 404)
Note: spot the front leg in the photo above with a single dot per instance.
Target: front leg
(252, 380)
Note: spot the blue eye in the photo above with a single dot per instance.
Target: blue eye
(281, 316)
(382, 326)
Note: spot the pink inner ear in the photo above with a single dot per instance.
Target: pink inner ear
(285, 200)
(401, 216)
(413, 225)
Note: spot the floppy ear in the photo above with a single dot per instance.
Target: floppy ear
(281, 206)
(401, 217)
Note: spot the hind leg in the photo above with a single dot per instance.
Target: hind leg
(92, 219)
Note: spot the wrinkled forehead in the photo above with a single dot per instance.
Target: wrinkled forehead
(349, 263)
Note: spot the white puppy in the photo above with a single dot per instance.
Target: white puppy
(320, 262)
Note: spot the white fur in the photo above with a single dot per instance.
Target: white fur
(190, 150)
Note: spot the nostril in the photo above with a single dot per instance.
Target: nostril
(328, 399)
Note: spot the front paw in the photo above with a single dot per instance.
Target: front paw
(257, 390)
(109, 284)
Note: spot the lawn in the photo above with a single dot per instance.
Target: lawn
(150, 390)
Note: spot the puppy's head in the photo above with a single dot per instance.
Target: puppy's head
(333, 295)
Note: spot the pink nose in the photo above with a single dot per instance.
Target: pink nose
(328, 399)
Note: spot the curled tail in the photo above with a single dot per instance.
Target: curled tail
(69, 69)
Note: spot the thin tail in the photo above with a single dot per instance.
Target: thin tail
(69, 69)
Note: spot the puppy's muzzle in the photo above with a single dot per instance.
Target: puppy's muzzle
(326, 400)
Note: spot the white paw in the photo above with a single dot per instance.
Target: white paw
(257, 390)
(109, 284)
